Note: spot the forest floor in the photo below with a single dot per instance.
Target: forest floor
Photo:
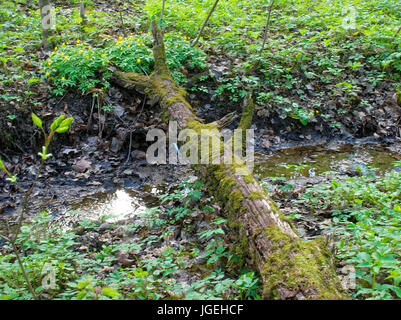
(327, 140)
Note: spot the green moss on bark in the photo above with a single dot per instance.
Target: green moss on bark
(255, 195)
(296, 266)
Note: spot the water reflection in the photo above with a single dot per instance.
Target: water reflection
(311, 161)
(111, 207)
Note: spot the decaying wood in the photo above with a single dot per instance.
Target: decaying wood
(226, 120)
(262, 237)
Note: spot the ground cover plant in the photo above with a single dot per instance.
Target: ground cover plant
(320, 73)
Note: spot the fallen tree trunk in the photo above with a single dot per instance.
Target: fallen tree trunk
(264, 239)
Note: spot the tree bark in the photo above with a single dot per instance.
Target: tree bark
(262, 238)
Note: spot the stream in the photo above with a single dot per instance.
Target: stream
(77, 202)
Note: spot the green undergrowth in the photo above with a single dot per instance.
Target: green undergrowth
(78, 65)
(59, 267)
(314, 50)
(321, 43)
(366, 223)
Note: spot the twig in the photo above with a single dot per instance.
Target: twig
(267, 24)
(90, 115)
(5, 155)
(204, 23)
(4, 237)
(25, 200)
(122, 23)
(132, 130)
(162, 13)
(83, 19)
(398, 31)
(13, 239)
(60, 99)
(100, 119)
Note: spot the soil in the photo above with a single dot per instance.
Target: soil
(104, 154)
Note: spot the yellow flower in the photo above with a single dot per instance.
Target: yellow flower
(66, 58)
(62, 53)
(129, 38)
(151, 53)
(78, 41)
(129, 46)
(121, 48)
(48, 62)
(120, 38)
(47, 74)
(148, 32)
(87, 57)
(138, 60)
(62, 78)
(317, 111)
(143, 44)
(55, 49)
(80, 51)
(185, 37)
(63, 44)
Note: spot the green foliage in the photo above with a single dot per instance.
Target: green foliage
(367, 224)
(231, 86)
(132, 54)
(296, 112)
(77, 65)
(79, 275)
(49, 250)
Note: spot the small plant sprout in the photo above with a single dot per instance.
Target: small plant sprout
(60, 125)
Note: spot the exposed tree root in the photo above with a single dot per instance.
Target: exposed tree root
(263, 238)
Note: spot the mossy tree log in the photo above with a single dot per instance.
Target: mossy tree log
(290, 268)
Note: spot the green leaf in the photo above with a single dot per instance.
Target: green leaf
(81, 295)
(62, 129)
(44, 155)
(12, 179)
(67, 122)
(82, 284)
(2, 166)
(110, 292)
(56, 123)
(397, 291)
(36, 120)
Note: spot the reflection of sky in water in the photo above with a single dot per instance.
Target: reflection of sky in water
(117, 206)
(110, 207)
